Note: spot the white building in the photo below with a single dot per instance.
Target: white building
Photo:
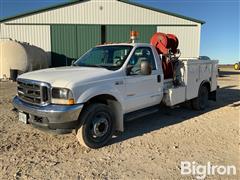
(70, 29)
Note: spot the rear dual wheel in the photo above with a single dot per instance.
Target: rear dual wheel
(201, 102)
(97, 126)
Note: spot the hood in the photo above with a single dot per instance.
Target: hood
(61, 76)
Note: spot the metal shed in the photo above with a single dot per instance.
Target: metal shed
(68, 30)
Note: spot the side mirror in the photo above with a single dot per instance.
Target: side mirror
(146, 68)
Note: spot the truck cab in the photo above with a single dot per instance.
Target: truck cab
(107, 85)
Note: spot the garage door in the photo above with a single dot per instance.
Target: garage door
(88, 36)
(121, 33)
(69, 42)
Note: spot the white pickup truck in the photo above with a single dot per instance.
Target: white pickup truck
(108, 85)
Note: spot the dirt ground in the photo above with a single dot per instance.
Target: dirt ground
(150, 148)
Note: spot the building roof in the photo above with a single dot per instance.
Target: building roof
(81, 1)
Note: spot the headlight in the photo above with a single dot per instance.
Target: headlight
(62, 96)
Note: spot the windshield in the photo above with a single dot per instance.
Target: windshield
(110, 57)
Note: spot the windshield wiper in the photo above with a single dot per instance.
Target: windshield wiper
(90, 65)
(95, 65)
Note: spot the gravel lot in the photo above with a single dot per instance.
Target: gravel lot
(150, 148)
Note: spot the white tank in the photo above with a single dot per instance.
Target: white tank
(20, 56)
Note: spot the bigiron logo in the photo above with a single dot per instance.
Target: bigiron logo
(202, 171)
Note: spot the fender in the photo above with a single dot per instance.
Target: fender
(117, 106)
(100, 90)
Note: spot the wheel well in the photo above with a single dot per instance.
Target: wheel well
(115, 105)
(103, 98)
(211, 95)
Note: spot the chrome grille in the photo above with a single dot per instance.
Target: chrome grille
(33, 92)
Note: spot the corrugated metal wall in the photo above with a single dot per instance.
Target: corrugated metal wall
(69, 42)
(67, 36)
(121, 33)
(87, 37)
(63, 44)
(36, 35)
(102, 12)
(188, 36)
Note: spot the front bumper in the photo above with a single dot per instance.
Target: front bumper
(51, 116)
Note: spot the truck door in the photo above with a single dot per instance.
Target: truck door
(142, 90)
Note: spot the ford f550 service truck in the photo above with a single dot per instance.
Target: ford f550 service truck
(112, 83)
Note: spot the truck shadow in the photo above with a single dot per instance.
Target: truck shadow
(170, 116)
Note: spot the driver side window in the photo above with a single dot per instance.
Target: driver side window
(140, 54)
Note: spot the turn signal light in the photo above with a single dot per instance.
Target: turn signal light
(70, 102)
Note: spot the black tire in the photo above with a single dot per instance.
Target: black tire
(201, 102)
(96, 127)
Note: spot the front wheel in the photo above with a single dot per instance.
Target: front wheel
(201, 102)
(97, 127)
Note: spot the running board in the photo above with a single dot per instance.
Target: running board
(140, 113)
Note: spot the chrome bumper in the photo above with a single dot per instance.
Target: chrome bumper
(55, 114)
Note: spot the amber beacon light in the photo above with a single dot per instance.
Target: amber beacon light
(133, 36)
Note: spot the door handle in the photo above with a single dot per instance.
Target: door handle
(158, 78)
